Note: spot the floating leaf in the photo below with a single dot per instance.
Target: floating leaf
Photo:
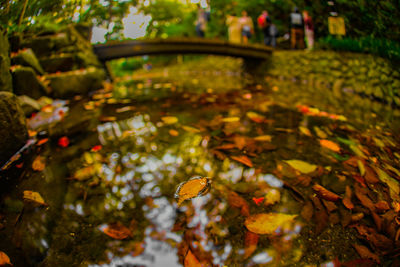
(34, 197)
(169, 119)
(258, 200)
(191, 260)
(4, 259)
(226, 147)
(63, 141)
(267, 138)
(255, 117)
(267, 223)
(39, 164)
(117, 231)
(96, 148)
(321, 134)
(301, 166)
(325, 193)
(330, 145)
(243, 159)
(231, 119)
(194, 187)
(42, 141)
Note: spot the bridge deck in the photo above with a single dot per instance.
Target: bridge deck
(113, 50)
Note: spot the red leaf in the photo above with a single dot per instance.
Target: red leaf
(250, 243)
(258, 200)
(96, 148)
(63, 141)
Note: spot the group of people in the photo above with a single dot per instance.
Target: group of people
(241, 29)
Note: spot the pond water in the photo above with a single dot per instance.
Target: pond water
(296, 176)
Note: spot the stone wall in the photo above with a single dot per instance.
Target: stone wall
(5, 76)
(341, 72)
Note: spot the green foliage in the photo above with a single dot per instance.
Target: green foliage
(381, 47)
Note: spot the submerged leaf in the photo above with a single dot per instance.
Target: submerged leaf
(267, 223)
(325, 193)
(34, 197)
(365, 253)
(231, 119)
(38, 164)
(243, 159)
(330, 145)
(301, 166)
(196, 186)
(117, 231)
(169, 119)
(190, 129)
(250, 243)
(255, 117)
(266, 138)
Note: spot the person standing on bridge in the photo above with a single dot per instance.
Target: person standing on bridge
(247, 27)
(309, 30)
(296, 29)
(201, 21)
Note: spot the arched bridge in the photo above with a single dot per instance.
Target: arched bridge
(113, 50)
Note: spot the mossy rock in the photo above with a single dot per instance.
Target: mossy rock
(25, 82)
(72, 83)
(5, 75)
(27, 58)
(45, 45)
(61, 62)
(13, 131)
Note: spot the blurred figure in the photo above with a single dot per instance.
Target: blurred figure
(247, 27)
(201, 21)
(296, 29)
(309, 30)
(234, 29)
(273, 34)
(263, 22)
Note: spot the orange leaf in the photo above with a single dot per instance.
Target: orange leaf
(4, 259)
(194, 187)
(173, 132)
(117, 231)
(38, 164)
(226, 147)
(43, 141)
(325, 193)
(330, 145)
(243, 159)
(191, 260)
(96, 148)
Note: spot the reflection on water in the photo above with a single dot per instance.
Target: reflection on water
(111, 193)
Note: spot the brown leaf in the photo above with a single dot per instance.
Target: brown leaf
(4, 259)
(325, 193)
(238, 202)
(250, 243)
(240, 141)
(243, 159)
(307, 211)
(365, 253)
(218, 154)
(347, 199)
(382, 205)
(330, 206)
(363, 198)
(38, 164)
(321, 216)
(117, 231)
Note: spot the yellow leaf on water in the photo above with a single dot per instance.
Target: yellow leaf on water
(194, 187)
(266, 138)
(301, 166)
(169, 119)
(4, 259)
(231, 119)
(321, 134)
(273, 196)
(330, 145)
(255, 117)
(34, 197)
(267, 223)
